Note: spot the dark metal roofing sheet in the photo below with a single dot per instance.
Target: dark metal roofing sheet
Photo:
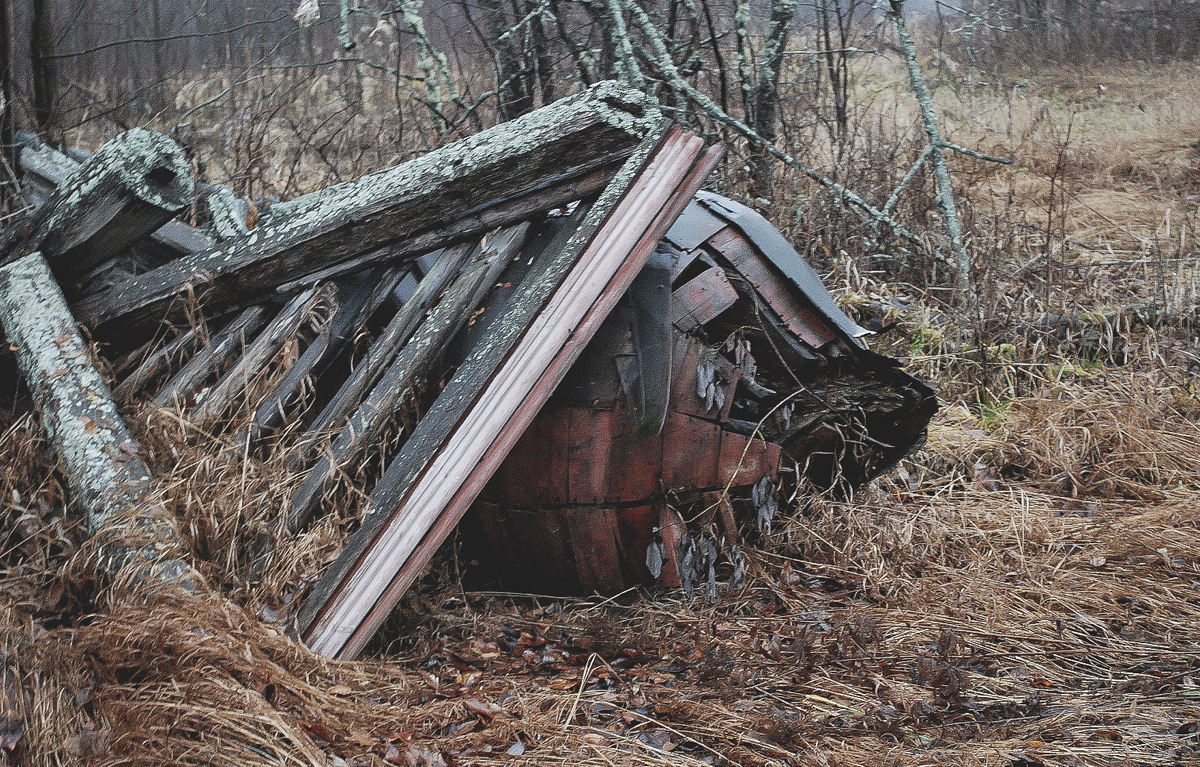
(780, 253)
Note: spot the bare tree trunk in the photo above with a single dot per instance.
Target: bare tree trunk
(41, 45)
(513, 97)
(937, 156)
(6, 104)
(766, 93)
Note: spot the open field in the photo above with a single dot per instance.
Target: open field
(1024, 592)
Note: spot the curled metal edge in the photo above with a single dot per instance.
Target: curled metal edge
(785, 258)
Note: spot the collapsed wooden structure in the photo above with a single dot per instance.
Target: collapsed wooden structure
(602, 356)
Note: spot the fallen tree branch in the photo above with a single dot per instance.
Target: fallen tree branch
(108, 480)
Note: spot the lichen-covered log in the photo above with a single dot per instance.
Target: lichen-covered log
(133, 185)
(568, 139)
(43, 169)
(108, 480)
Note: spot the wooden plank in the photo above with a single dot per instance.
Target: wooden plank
(544, 149)
(357, 299)
(409, 369)
(672, 530)
(535, 472)
(284, 326)
(811, 327)
(589, 453)
(635, 532)
(102, 464)
(159, 362)
(497, 392)
(635, 463)
(702, 299)
(593, 535)
(382, 352)
(222, 348)
(44, 169)
(691, 449)
(746, 460)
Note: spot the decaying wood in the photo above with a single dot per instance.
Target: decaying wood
(258, 353)
(43, 169)
(563, 141)
(108, 480)
(497, 391)
(158, 362)
(357, 300)
(228, 213)
(220, 350)
(702, 298)
(385, 348)
(410, 366)
(129, 188)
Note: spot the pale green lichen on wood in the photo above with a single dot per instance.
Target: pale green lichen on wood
(106, 477)
(627, 112)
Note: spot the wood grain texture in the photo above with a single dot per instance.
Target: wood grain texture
(408, 372)
(134, 184)
(565, 140)
(702, 299)
(505, 383)
(108, 480)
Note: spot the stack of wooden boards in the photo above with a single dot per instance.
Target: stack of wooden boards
(481, 271)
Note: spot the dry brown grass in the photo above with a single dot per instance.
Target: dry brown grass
(1023, 592)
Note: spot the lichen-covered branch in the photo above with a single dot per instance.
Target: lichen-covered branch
(937, 155)
(108, 480)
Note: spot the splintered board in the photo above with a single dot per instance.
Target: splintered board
(498, 390)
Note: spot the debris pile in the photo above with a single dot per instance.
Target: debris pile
(597, 364)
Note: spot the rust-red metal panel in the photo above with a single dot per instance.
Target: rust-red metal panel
(691, 449)
(743, 464)
(635, 466)
(535, 472)
(672, 530)
(687, 354)
(593, 534)
(812, 328)
(589, 450)
(701, 299)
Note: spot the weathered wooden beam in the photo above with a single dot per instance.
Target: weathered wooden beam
(702, 298)
(496, 393)
(43, 169)
(553, 145)
(222, 348)
(258, 353)
(158, 362)
(411, 365)
(108, 480)
(358, 298)
(134, 184)
(385, 348)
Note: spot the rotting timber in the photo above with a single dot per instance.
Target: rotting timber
(565, 343)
